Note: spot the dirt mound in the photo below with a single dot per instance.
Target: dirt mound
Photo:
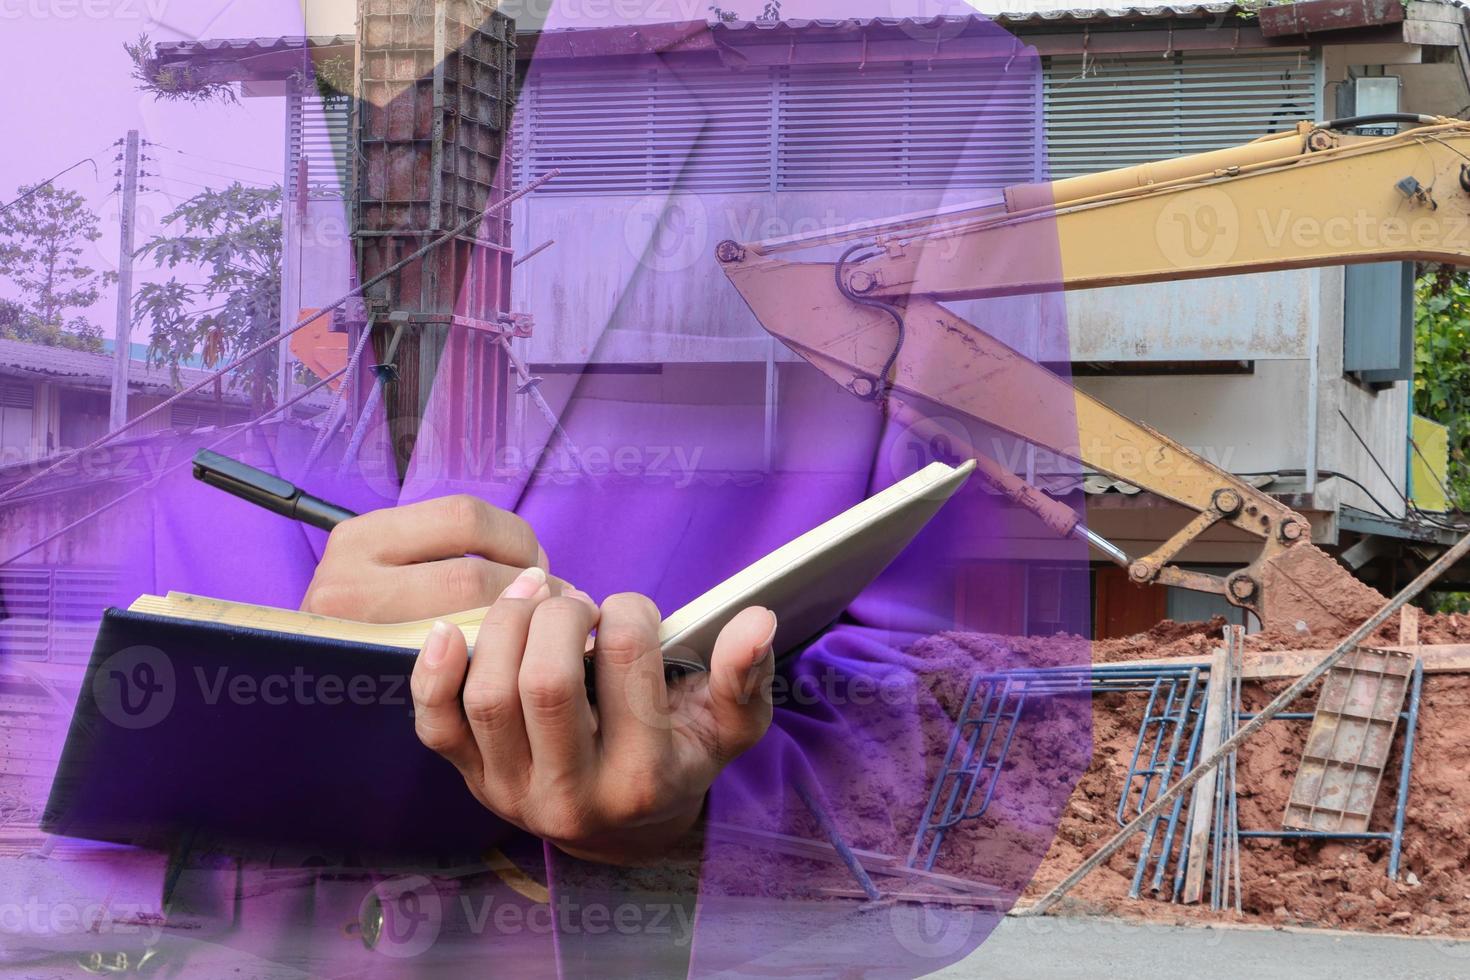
(1337, 884)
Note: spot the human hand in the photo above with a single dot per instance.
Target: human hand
(618, 783)
(422, 560)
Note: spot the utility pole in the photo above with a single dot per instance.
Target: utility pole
(124, 334)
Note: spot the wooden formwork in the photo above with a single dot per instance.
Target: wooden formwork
(434, 94)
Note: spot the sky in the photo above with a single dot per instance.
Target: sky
(69, 95)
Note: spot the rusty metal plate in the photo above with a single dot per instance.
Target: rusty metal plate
(1348, 746)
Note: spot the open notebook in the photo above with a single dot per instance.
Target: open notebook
(249, 724)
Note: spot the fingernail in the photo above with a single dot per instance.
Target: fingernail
(436, 644)
(526, 585)
(770, 641)
(579, 594)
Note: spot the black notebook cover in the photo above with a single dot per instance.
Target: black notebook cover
(236, 737)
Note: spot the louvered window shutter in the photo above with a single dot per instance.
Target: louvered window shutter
(1124, 111)
(17, 396)
(650, 130)
(319, 130)
(886, 127)
(52, 613)
(971, 124)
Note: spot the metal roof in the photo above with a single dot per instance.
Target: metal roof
(1007, 18)
(245, 46)
(657, 36)
(20, 358)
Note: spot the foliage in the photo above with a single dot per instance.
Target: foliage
(42, 237)
(173, 83)
(770, 13)
(1442, 385)
(332, 78)
(1442, 368)
(233, 237)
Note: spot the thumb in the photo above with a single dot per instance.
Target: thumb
(739, 691)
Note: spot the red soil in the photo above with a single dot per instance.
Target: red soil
(1329, 884)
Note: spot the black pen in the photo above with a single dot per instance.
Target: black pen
(265, 490)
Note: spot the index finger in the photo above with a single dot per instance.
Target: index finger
(443, 528)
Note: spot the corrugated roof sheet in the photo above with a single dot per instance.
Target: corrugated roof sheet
(1010, 18)
(19, 357)
(244, 46)
(677, 31)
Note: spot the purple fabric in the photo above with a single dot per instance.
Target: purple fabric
(861, 720)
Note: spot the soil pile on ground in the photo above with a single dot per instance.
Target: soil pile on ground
(1336, 884)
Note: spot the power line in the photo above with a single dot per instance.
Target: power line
(49, 180)
(192, 183)
(357, 290)
(210, 173)
(215, 160)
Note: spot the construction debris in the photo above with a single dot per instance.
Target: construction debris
(1347, 748)
(1421, 830)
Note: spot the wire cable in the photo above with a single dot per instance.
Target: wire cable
(247, 181)
(301, 324)
(214, 160)
(50, 180)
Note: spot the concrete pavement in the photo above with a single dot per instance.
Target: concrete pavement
(1059, 948)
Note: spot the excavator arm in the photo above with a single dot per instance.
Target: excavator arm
(874, 321)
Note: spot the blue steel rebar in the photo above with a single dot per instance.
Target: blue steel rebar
(1138, 750)
(1146, 850)
(1182, 860)
(1023, 684)
(1320, 834)
(967, 767)
(1401, 804)
(1001, 716)
(925, 823)
(1195, 740)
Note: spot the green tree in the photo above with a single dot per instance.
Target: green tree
(42, 237)
(232, 237)
(1442, 368)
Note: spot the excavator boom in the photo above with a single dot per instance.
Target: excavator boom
(877, 326)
